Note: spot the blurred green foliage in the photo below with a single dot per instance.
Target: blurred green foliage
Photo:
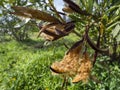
(25, 65)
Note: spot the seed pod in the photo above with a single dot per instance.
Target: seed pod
(106, 51)
(54, 31)
(84, 69)
(76, 8)
(69, 64)
(67, 9)
(36, 14)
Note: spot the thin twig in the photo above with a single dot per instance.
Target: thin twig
(76, 33)
(59, 12)
(64, 86)
(65, 45)
(96, 52)
(56, 11)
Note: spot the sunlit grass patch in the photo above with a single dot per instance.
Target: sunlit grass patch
(25, 67)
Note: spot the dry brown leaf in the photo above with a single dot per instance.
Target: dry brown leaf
(31, 13)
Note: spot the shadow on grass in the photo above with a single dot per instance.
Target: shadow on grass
(42, 44)
(5, 40)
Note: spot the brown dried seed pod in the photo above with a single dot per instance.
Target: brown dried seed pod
(80, 77)
(54, 31)
(84, 69)
(72, 5)
(31, 13)
(69, 64)
(49, 31)
(73, 65)
(93, 46)
(76, 8)
(67, 9)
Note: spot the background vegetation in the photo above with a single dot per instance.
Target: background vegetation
(25, 59)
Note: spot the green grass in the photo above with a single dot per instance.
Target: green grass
(20, 61)
(25, 66)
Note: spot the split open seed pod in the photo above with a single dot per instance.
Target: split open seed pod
(54, 31)
(69, 64)
(84, 69)
(75, 64)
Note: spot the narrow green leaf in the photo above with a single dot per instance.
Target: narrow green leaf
(118, 11)
(113, 8)
(108, 28)
(96, 5)
(112, 20)
(83, 2)
(111, 26)
(11, 1)
(118, 38)
(90, 5)
(116, 30)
